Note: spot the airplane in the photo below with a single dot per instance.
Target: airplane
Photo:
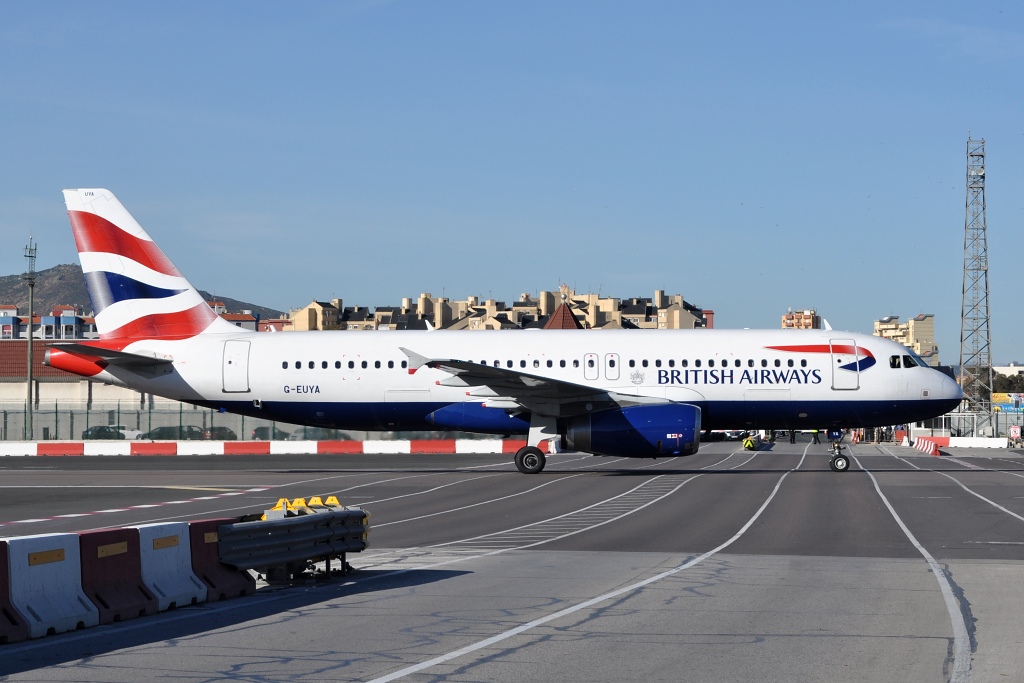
(627, 393)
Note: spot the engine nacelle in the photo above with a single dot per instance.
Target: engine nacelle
(638, 431)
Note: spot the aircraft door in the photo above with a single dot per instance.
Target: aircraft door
(845, 365)
(611, 366)
(590, 369)
(236, 366)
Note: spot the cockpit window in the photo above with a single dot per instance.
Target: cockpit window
(894, 361)
(908, 362)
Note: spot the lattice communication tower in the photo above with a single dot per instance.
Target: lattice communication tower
(975, 335)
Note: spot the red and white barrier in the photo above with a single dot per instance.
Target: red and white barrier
(926, 445)
(150, 448)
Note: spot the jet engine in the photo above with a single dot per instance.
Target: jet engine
(638, 431)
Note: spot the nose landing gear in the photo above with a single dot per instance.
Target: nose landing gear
(839, 462)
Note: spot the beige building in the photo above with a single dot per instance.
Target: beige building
(917, 334)
(591, 310)
(319, 315)
(807, 319)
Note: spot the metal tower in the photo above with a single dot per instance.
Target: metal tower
(975, 336)
(30, 278)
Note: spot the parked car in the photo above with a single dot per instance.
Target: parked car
(128, 432)
(263, 434)
(219, 434)
(103, 432)
(318, 434)
(175, 433)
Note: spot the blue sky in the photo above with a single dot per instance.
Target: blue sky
(751, 156)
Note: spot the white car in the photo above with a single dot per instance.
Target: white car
(128, 433)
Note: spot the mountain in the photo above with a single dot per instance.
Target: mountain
(64, 285)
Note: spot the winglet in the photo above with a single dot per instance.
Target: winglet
(416, 361)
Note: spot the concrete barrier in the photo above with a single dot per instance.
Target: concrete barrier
(46, 584)
(13, 626)
(926, 445)
(222, 581)
(479, 446)
(381, 447)
(112, 574)
(166, 556)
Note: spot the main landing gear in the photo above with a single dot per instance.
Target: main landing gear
(530, 460)
(839, 462)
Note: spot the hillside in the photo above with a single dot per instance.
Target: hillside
(65, 285)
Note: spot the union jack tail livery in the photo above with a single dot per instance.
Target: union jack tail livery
(136, 291)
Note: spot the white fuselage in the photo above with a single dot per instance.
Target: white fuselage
(739, 378)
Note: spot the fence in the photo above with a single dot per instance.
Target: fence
(69, 421)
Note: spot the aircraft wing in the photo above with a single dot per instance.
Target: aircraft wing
(515, 390)
(112, 357)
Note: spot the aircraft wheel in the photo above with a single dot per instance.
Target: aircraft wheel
(839, 463)
(530, 460)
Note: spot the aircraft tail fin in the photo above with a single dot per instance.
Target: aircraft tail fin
(136, 292)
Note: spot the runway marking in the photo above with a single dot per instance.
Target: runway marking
(473, 647)
(466, 507)
(132, 507)
(961, 672)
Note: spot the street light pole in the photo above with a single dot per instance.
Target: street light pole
(30, 278)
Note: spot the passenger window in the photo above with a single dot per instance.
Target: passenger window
(536, 363)
(364, 364)
(684, 363)
(750, 363)
(298, 364)
(337, 365)
(284, 365)
(711, 363)
(671, 362)
(657, 363)
(550, 364)
(909, 362)
(323, 365)
(391, 364)
(311, 365)
(590, 362)
(644, 362)
(497, 363)
(351, 364)
(404, 363)
(576, 363)
(778, 363)
(508, 363)
(894, 361)
(522, 363)
(764, 363)
(561, 363)
(632, 363)
(696, 363)
(803, 362)
(789, 362)
(376, 364)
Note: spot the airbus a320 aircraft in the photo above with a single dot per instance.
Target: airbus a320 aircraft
(633, 393)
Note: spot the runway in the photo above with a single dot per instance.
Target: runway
(726, 565)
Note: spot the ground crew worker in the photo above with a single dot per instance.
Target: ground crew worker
(814, 432)
(748, 443)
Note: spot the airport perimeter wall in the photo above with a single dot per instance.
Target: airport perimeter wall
(376, 447)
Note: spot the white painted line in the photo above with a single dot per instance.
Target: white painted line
(479, 645)
(961, 671)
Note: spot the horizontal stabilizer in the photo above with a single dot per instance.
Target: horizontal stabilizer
(112, 357)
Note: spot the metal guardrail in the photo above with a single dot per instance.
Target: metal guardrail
(284, 548)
